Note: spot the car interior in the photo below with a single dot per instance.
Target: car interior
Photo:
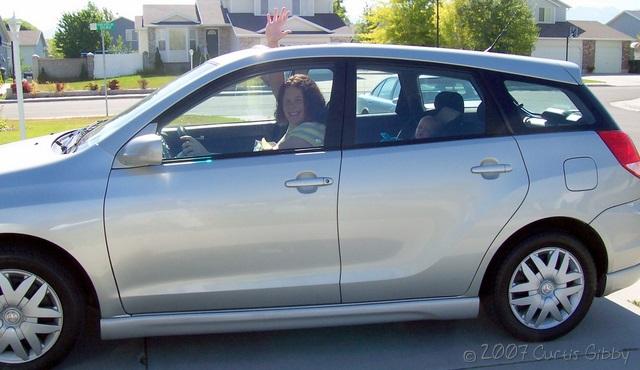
(413, 104)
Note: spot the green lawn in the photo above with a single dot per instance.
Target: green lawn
(40, 127)
(588, 81)
(637, 303)
(126, 82)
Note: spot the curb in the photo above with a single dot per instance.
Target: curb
(71, 98)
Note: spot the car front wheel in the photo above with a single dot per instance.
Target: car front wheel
(544, 287)
(41, 310)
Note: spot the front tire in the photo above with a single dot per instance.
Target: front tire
(42, 310)
(544, 287)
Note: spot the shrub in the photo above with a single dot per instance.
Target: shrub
(92, 86)
(59, 86)
(84, 73)
(3, 122)
(43, 78)
(114, 85)
(143, 83)
(634, 66)
(26, 87)
(1, 82)
(158, 64)
(590, 68)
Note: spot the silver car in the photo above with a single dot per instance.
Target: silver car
(525, 200)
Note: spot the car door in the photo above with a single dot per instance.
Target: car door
(417, 215)
(233, 228)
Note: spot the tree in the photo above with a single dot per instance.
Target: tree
(476, 24)
(406, 22)
(52, 49)
(340, 10)
(119, 47)
(73, 36)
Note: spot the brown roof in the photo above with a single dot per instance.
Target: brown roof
(594, 30)
(30, 38)
(586, 30)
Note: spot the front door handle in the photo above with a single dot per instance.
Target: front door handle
(308, 182)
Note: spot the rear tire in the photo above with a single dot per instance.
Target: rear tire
(543, 288)
(42, 310)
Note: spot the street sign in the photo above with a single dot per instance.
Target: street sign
(104, 26)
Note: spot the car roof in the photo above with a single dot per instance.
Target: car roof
(548, 69)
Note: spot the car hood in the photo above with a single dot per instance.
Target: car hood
(26, 154)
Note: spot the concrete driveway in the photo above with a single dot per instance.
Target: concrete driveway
(607, 338)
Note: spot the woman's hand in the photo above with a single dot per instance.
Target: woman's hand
(274, 29)
(191, 147)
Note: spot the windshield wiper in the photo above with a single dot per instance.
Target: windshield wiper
(75, 137)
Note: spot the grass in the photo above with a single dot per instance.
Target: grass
(126, 82)
(588, 81)
(40, 127)
(637, 303)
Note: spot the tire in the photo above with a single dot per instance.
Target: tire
(40, 304)
(543, 288)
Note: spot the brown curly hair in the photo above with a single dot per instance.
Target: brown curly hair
(314, 103)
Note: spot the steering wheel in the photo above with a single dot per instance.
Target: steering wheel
(167, 151)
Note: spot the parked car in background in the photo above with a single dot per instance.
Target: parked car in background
(524, 197)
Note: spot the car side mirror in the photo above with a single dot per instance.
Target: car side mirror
(143, 150)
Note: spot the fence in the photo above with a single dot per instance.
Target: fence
(68, 69)
(117, 65)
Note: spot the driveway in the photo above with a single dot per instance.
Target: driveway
(607, 338)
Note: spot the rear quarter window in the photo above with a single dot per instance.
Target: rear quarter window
(544, 107)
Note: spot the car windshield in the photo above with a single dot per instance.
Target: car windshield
(106, 128)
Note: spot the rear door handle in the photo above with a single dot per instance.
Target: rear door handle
(491, 169)
(308, 182)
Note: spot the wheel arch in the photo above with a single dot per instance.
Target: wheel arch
(60, 255)
(582, 231)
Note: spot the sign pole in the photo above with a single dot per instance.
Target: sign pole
(14, 26)
(104, 74)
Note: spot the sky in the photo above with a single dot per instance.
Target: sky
(44, 14)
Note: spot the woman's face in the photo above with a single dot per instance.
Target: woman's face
(293, 105)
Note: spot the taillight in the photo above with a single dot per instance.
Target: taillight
(623, 149)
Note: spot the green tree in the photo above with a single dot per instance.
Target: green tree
(52, 49)
(476, 24)
(340, 10)
(73, 36)
(119, 47)
(406, 22)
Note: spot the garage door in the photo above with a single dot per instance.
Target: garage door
(608, 57)
(556, 49)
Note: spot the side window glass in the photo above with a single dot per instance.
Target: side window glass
(437, 105)
(375, 91)
(251, 115)
(542, 106)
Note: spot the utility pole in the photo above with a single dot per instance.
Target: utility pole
(14, 27)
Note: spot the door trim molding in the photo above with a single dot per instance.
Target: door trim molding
(162, 324)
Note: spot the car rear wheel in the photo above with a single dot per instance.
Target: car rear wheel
(544, 287)
(41, 310)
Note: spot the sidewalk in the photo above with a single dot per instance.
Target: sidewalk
(626, 79)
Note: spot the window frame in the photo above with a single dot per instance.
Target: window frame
(497, 127)
(335, 110)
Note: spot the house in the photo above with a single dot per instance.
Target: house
(5, 50)
(628, 22)
(125, 28)
(592, 45)
(31, 43)
(215, 27)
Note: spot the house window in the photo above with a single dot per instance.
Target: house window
(295, 7)
(192, 40)
(545, 15)
(131, 35)
(162, 40)
(264, 6)
(177, 39)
